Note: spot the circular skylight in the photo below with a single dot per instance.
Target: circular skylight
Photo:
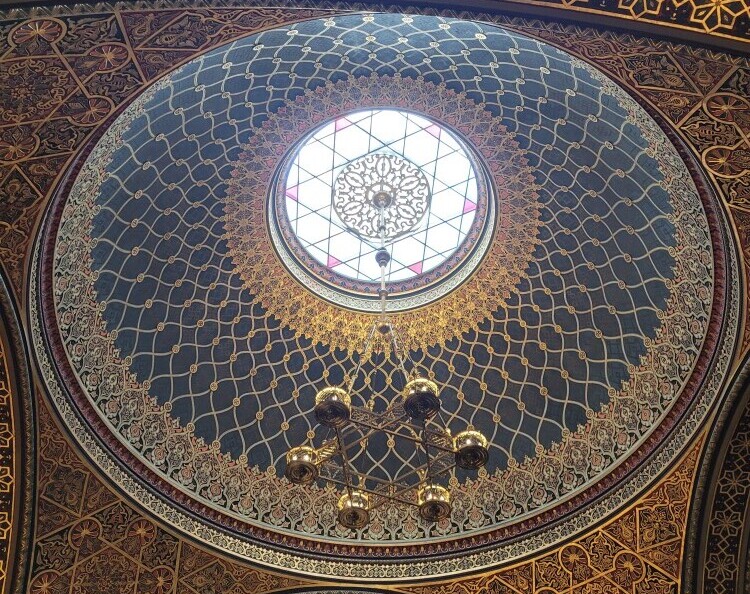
(333, 182)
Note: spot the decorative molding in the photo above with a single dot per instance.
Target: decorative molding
(640, 550)
(17, 463)
(9, 433)
(716, 549)
(615, 498)
(87, 536)
(727, 20)
(88, 539)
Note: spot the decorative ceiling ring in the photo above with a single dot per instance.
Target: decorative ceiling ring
(313, 305)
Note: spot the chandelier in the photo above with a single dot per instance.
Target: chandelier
(375, 190)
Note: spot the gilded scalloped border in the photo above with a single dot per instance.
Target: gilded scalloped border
(445, 316)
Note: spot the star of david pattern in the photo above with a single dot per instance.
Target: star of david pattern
(616, 283)
(140, 45)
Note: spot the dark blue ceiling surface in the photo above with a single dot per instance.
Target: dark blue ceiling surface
(592, 296)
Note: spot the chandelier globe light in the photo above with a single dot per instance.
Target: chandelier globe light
(302, 464)
(354, 510)
(421, 400)
(332, 406)
(471, 449)
(434, 502)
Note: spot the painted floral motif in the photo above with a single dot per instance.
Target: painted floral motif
(108, 57)
(45, 30)
(96, 110)
(17, 143)
(34, 88)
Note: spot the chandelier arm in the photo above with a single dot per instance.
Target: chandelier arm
(364, 436)
(394, 413)
(418, 472)
(426, 449)
(328, 449)
(379, 494)
(439, 441)
(449, 467)
(419, 439)
(331, 472)
(383, 421)
(446, 432)
(398, 495)
(344, 463)
(381, 482)
(443, 423)
(401, 419)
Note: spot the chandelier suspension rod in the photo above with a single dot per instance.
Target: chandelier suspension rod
(382, 261)
(383, 258)
(426, 449)
(361, 358)
(344, 462)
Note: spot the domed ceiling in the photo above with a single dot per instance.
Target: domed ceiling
(562, 279)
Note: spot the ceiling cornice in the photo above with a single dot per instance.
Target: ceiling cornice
(722, 24)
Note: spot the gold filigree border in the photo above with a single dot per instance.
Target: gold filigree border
(268, 279)
(8, 478)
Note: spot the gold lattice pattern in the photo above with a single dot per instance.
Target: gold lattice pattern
(88, 538)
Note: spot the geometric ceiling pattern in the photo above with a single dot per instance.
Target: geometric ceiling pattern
(698, 92)
(728, 19)
(436, 228)
(585, 356)
(89, 539)
(439, 294)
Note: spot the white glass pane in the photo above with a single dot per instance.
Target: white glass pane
(312, 178)
(315, 158)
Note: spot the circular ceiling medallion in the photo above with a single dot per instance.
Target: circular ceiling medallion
(583, 322)
(422, 175)
(483, 263)
(378, 182)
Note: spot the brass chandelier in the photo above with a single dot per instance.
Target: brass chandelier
(413, 416)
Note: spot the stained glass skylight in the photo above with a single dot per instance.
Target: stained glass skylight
(333, 169)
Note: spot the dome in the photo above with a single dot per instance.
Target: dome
(557, 270)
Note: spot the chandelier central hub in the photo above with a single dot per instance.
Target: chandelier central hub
(382, 199)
